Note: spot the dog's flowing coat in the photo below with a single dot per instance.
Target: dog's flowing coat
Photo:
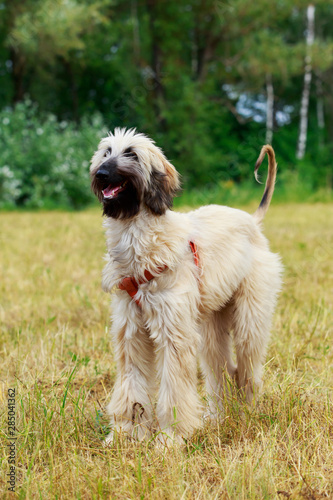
(185, 310)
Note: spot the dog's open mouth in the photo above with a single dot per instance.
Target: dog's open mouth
(113, 190)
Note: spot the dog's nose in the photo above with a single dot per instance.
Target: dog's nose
(102, 174)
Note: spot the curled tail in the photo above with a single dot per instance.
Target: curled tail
(270, 182)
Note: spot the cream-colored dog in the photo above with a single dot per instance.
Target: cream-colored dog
(184, 284)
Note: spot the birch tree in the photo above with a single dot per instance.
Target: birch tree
(307, 84)
(269, 109)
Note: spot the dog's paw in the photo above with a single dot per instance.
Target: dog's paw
(168, 439)
(138, 432)
(209, 418)
(109, 440)
(117, 433)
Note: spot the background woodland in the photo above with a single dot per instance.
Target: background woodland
(210, 81)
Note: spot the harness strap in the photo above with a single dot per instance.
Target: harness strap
(194, 249)
(131, 285)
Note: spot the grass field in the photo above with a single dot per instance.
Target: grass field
(56, 354)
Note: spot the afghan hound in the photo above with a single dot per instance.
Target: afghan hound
(184, 284)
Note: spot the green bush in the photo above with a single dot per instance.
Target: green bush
(44, 162)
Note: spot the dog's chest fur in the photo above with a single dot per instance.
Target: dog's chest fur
(144, 243)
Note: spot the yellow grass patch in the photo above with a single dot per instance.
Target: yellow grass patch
(56, 354)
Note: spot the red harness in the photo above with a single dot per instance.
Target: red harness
(131, 285)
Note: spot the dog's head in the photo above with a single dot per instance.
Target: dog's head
(128, 171)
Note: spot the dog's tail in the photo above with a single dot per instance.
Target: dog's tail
(270, 182)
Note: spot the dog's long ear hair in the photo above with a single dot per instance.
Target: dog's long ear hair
(163, 183)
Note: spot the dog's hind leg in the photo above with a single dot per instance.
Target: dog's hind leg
(216, 358)
(254, 306)
(130, 407)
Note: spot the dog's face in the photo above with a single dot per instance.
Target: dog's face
(128, 171)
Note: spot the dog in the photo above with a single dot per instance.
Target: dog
(185, 284)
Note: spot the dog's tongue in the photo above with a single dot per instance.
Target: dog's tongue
(111, 191)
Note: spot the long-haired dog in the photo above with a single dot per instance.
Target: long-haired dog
(184, 284)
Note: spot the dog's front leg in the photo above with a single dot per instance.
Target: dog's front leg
(130, 407)
(176, 339)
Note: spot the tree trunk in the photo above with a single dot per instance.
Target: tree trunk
(18, 70)
(320, 111)
(269, 109)
(73, 88)
(320, 104)
(156, 64)
(307, 83)
(155, 49)
(136, 32)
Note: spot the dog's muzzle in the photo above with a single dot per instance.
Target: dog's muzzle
(109, 181)
(102, 174)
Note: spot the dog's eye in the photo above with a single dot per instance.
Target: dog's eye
(108, 152)
(130, 154)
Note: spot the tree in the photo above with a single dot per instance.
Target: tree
(307, 82)
(42, 32)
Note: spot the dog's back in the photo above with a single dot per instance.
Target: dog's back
(230, 243)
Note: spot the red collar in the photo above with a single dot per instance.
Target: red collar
(131, 285)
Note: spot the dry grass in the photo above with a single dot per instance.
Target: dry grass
(55, 351)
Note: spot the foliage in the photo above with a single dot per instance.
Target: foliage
(45, 162)
(49, 28)
(191, 74)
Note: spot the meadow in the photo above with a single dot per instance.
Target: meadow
(56, 354)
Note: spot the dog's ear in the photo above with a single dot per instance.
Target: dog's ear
(163, 184)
